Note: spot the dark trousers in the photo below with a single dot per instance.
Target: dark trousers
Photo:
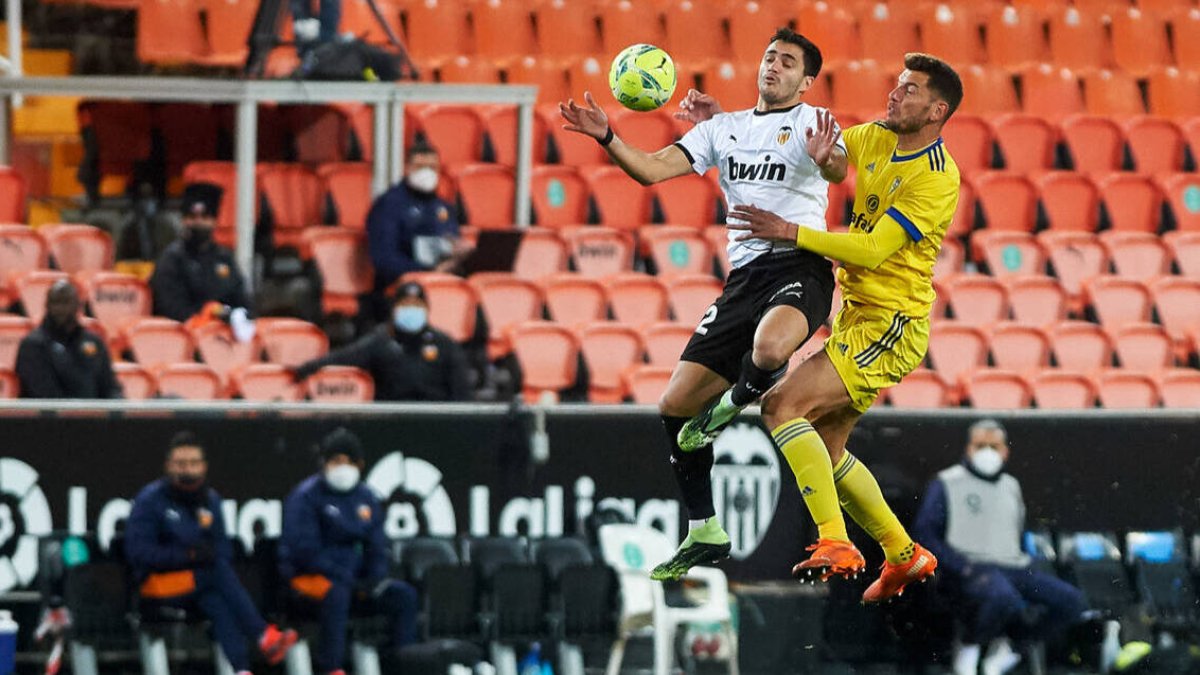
(398, 604)
(221, 598)
(329, 14)
(1004, 597)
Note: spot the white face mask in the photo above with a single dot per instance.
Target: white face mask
(342, 478)
(409, 319)
(987, 461)
(423, 179)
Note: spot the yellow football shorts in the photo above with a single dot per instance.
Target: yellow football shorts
(874, 348)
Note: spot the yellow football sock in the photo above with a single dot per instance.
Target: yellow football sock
(859, 494)
(806, 454)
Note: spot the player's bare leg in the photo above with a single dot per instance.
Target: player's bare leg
(690, 387)
(778, 335)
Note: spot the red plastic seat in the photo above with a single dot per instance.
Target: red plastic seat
(609, 349)
(624, 23)
(455, 130)
(1081, 346)
(687, 200)
(1016, 38)
(1096, 144)
(291, 342)
(13, 329)
(559, 195)
(750, 24)
(348, 185)
(500, 123)
(952, 32)
(600, 251)
(1063, 390)
(637, 299)
(573, 299)
(156, 342)
(1177, 302)
(346, 272)
(1020, 348)
(115, 299)
(548, 354)
(1180, 388)
(1124, 390)
(646, 383)
(1185, 250)
(1008, 200)
(1113, 93)
(137, 383)
(998, 390)
(293, 194)
(190, 382)
(566, 32)
(503, 30)
(22, 250)
(1182, 192)
(453, 303)
(922, 388)
(695, 34)
(266, 382)
(506, 301)
(1026, 142)
(1118, 301)
(620, 201)
(987, 92)
(829, 25)
(677, 250)
(79, 248)
(1143, 347)
(13, 192)
(649, 131)
(1036, 300)
(1139, 41)
(541, 253)
(691, 295)
(169, 32)
(950, 259)
(1133, 203)
(861, 88)
(572, 149)
(664, 341)
(976, 300)
(1075, 257)
(228, 30)
(31, 289)
(222, 352)
(1071, 202)
(1157, 145)
(969, 139)
(468, 70)
(1051, 92)
(1009, 253)
(1078, 40)
(1174, 93)
(1137, 255)
(956, 349)
(340, 384)
(487, 192)
(437, 31)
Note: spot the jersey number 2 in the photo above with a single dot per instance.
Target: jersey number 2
(710, 315)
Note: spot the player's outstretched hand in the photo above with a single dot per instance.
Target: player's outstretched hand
(820, 143)
(697, 107)
(760, 224)
(590, 121)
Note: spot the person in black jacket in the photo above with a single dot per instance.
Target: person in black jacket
(59, 359)
(195, 271)
(410, 360)
(179, 549)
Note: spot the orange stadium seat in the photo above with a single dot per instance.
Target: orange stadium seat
(541, 252)
(340, 384)
(649, 131)
(1182, 192)
(695, 34)
(677, 250)
(1016, 38)
(998, 390)
(1075, 257)
(137, 384)
(637, 299)
(500, 123)
(1139, 41)
(570, 148)
(1177, 301)
(718, 236)
(751, 24)
(646, 383)
(830, 26)
(548, 355)
(156, 341)
(964, 214)
(437, 31)
(587, 76)
(348, 185)
(1119, 301)
(1081, 346)
(1185, 29)
(1071, 202)
(293, 195)
(609, 349)
(1120, 389)
(22, 250)
(950, 259)
(731, 83)
(453, 304)
(346, 272)
(291, 342)
(956, 349)
(1009, 253)
(1137, 255)
(1133, 202)
(266, 382)
(320, 133)
(691, 295)
(969, 140)
(116, 299)
(1019, 347)
(620, 201)
(1143, 347)
(169, 32)
(951, 32)
(31, 288)
(1008, 200)
(922, 388)
(1185, 249)
(599, 252)
(665, 340)
(559, 195)
(359, 19)
(861, 88)
(566, 32)
(1078, 40)
(976, 300)
(455, 130)
(1113, 93)
(487, 195)
(1062, 390)
(624, 23)
(888, 31)
(468, 70)
(687, 200)
(1036, 300)
(1026, 142)
(1174, 93)
(13, 192)
(1180, 388)
(1051, 93)
(13, 329)
(573, 299)
(987, 91)
(506, 301)
(1096, 144)
(503, 30)
(1157, 145)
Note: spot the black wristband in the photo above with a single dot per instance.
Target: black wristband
(608, 136)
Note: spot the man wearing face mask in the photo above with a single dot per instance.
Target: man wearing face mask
(409, 359)
(59, 359)
(972, 517)
(334, 553)
(194, 273)
(177, 544)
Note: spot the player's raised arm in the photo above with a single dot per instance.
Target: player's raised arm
(867, 251)
(644, 167)
(823, 148)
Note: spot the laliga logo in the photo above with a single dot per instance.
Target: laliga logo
(24, 516)
(745, 485)
(417, 480)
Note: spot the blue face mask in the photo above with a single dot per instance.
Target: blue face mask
(409, 319)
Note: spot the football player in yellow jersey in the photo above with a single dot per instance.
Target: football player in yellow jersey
(906, 194)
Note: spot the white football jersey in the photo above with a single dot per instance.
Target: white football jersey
(763, 162)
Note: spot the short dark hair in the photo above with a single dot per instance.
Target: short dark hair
(943, 80)
(812, 53)
(419, 147)
(184, 439)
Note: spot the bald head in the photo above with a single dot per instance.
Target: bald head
(62, 304)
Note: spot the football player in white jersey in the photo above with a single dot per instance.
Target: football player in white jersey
(780, 155)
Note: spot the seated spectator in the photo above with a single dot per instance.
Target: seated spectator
(196, 278)
(409, 359)
(177, 544)
(972, 518)
(334, 554)
(59, 359)
(149, 228)
(310, 30)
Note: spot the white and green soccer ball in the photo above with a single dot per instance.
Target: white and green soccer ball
(642, 77)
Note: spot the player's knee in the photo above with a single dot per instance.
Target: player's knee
(672, 404)
(771, 353)
(777, 409)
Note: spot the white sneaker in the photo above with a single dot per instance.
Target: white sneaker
(1000, 658)
(966, 660)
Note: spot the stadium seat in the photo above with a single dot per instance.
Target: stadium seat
(1157, 145)
(340, 384)
(1133, 202)
(1177, 303)
(609, 349)
(293, 195)
(503, 30)
(676, 250)
(950, 259)
(348, 185)
(137, 384)
(541, 252)
(997, 390)
(1036, 300)
(79, 248)
(695, 35)
(228, 27)
(453, 303)
(636, 299)
(976, 300)
(625, 23)
(22, 249)
(1007, 199)
(10, 385)
(691, 295)
(1137, 255)
(732, 83)
(1143, 347)
(649, 131)
(266, 382)
(1020, 348)
(506, 301)
(468, 70)
(1026, 142)
(222, 352)
(559, 195)
(13, 329)
(687, 200)
(1120, 389)
(1009, 253)
(156, 341)
(1071, 202)
(1185, 29)
(1081, 346)
(718, 236)
(13, 192)
(987, 92)
(1180, 388)
(1185, 251)
(620, 201)
(952, 32)
(500, 122)
(1075, 257)
(1096, 145)
(664, 341)
(1062, 390)
(1182, 191)
(437, 31)
(291, 342)
(31, 288)
(565, 32)
(1118, 301)
(320, 134)
(1112, 93)
(969, 139)
(829, 25)
(573, 299)
(190, 382)
(1174, 93)
(358, 19)
(887, 31)
(571, 148)
(956, 349)
(548, 355)
(1078, 40)
(1051, 93)
(346, 272)
(487, 195)
(646, 382)
(455, 130)
(169, 32)
(115, 299)
(1139, 41)
(750, 23)
(964, 213)
(861, 88)
(1016, 38)
(600, 251)
(922, 388)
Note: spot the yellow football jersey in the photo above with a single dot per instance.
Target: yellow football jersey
(918, 190)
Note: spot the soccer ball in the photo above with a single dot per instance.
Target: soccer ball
(642, 77)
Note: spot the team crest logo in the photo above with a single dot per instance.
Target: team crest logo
(443, 214)
(745, 485)
(895, 184)
(784, 135)
(223, 270)
(205, 518)
(364, 513)
(872, 203)
(89, 348)
(429, 352)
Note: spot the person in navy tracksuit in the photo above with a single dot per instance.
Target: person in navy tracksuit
(334, 552)
(176, 542)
